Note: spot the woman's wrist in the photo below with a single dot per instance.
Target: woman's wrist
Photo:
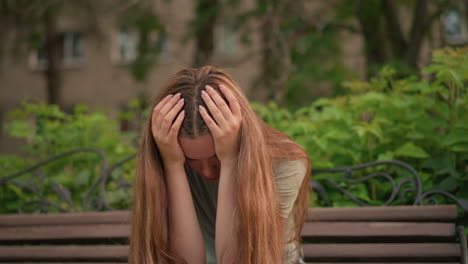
(174, 166)
(228, 167)
(229, 163)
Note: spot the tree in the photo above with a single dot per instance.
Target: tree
(296, 53)
(380, 25)
(141, 17)
(296, 36)
(203, 27)
(36, 24)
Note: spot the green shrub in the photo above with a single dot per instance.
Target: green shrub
(49, 131)
(422, 121)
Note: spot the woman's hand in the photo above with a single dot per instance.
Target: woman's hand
(165, 131)
(226, 129)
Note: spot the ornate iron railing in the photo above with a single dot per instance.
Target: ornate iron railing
(94, 198)
(90, 201)
(415, 182)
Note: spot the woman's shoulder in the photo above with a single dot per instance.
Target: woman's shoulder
(289, 175)
(293, 164)
(291, 170)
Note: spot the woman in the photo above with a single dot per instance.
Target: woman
(214, 183)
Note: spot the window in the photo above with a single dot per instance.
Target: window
(225, 39)
(72, 48)
(1, 123)
(128, 41)
(127, 46)
(454, 26)
(158, 42)
(41, 57)
(71, 51)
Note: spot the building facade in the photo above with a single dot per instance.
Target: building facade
(96, 59)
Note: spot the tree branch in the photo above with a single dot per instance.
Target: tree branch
(399, 43)
(417, 32)
(437, 13)
(342, 26)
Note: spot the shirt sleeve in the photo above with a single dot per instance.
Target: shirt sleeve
(289, 175)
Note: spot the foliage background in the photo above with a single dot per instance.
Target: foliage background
(396, 110)
(421, 121)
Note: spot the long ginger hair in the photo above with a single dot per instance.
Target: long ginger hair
(260, 233)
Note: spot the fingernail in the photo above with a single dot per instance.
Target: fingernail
(203, 92)
(177, 95)
(181, 100)
(209, 88)
(169, 95)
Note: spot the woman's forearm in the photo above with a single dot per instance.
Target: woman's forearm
(226, 219)
(185, 237)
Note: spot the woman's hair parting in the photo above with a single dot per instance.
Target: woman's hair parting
(259, 229)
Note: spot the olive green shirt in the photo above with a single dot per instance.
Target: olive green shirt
(289, 175)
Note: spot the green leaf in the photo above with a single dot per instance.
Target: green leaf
(455, 137)
(460, 148)
(344, 204)
(449, 184)
(388, 155)
(412, 151)
(15, 189)
(82, 177)
(442, 163)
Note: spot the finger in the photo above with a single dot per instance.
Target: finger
(169, 118)
(218, 116)
(167, 106)
(158, 107)
(220, 103)
(233, 102)
(155, 113)
(176, 126)
(208, 120)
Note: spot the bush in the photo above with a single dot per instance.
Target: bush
(421, 122)
(49, 131)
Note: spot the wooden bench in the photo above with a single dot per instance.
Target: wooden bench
(395, 234)
(365, 234)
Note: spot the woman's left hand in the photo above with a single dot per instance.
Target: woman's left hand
(226, 126)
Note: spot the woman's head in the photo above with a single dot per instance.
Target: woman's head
(260, 234)
(194, 136)
(200, 155)
(189, 83)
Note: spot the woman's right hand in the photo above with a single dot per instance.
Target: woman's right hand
(165, 131)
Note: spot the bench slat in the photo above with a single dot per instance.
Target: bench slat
(378, 229)
(315, 230)
(45, 233)
(120, 252)
(306, 263)
(410, 250)
(82, 218)
(94, 252)
(370, 213)
(418, 213)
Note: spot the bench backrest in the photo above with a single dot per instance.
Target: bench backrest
(88, 236)
(393, 234)
(383, 234)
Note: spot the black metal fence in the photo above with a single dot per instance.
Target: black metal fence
(94, 198)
